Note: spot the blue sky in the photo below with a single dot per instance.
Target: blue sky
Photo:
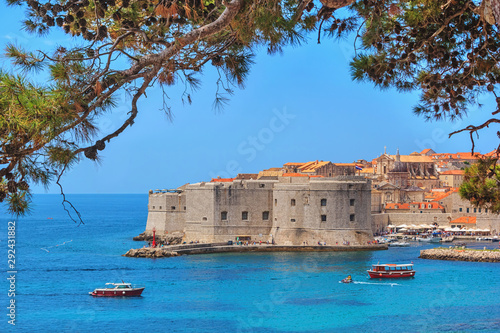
(296, 107)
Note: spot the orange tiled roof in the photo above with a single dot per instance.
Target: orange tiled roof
(453, 172)
(491, 153)
(425, 151)
(222, 180)
(437, 196)
(291, 174)
(465, 219)
(397, 206)
(457, 156)
(413, 158)
(434, 205)
(312, 166)
(346, 164)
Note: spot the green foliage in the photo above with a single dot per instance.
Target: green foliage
(445, 49)
(481, 184)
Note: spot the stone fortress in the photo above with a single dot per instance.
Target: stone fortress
(285, 211)
(321, 201)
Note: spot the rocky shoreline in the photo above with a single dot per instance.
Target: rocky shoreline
(460, 254)
(150, 252)
(176, 250)
(170, 239)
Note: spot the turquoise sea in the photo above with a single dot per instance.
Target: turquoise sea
(58, 263)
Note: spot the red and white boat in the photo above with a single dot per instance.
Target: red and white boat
(391, 271)
(117, 289)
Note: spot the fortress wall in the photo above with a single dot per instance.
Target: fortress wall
(380, 221)
(166, 212)
(200, 213)
(254, 198)
(303, 222)
(491, 222)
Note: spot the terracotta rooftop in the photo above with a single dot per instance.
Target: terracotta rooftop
(413, 158)
(222, 180)
(397, 206)
(313, 166)
(291, 174)
(453, 172)
(457, 156)
(437, 196)
(465, 219)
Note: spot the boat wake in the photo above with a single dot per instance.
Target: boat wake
(382, 284)
(49, 247)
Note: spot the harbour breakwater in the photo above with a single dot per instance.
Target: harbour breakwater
(461, 254)
(172, 251)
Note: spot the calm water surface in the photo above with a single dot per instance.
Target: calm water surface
(59, 262)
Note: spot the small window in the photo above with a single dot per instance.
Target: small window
(153, 207)
(429, 206)
(184, 207)
(486, 210)
(160, 207)
(323, 218)
(479, 210)
(323, 202)
(351, 186)
(460, 209)
(275, 202)
(467, 210)
(351, 202)
(172, 208)
(265, 215)
(223, 216)
(352, 218)
(292, 202)
(292, 220)
(475, 210)
(204, 218)
(262, 185)
(244, 216)
(420, 212)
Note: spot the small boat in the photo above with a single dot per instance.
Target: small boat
(429, 239)
(347, 280)
(391, 271)
(399, 244)
(117, 289)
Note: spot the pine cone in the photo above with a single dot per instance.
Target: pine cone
(23, 186)
(100, 145)
(91, 153)
(12, 186)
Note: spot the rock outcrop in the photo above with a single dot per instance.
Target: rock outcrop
(150, 252)
(461, 254)
(171, 239)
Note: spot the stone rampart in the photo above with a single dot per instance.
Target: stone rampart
(461, 255)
